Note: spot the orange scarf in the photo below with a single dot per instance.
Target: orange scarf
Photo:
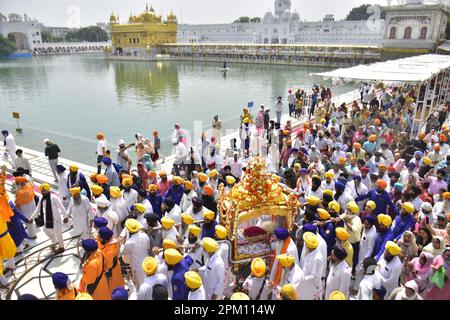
(24, 195)
(279, 269)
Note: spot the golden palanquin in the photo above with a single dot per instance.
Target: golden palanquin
(257, 196)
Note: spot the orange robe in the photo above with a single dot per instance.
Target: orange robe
(7, 245)
(111, 252)
(93, 269)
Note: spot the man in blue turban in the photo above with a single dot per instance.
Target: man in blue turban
(27, 296)
(63, 286)
(100, 222)
(283, 244)
(110, 249)
(111, 173)
(119, 293)
(105, 234)
(93, 280)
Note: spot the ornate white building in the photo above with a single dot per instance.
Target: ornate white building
(409, 25)
(26, 32)
(282, 26)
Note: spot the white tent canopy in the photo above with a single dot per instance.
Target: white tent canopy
(409, 70)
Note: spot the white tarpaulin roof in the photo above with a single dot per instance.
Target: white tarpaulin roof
(412, 69)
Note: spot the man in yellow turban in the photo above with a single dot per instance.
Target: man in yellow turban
(175, 191)
(328, 183)
(385, 234)
(209, 224)
(312, 266)
(193, 246)
(129, 194)
(214, 270)
(188, 193)
(353, 225)
(77, 179)
(179, 265)
(118, 205)
(342, 237)
(195, 285)
(150, 267)
(50, 210)
(288, 292)
(390, 266)
(135, 250)
(256, 283)
(169, 230)
(403, 222)
(80, 210)
(292, 274)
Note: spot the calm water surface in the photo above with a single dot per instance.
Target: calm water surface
(70, 98)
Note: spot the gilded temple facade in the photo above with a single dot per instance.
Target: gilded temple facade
(142, 32)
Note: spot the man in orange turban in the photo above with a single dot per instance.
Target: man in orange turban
(381, 198)
(25, 202)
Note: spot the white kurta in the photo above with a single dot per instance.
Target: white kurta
(390, 273)
(323, 248)
(135, 250)
(130, 197)
(196, 254)
(213, 276)
(63, 191)
(312, 267)
(344, 199)
(338, 279)
(10, 147)
(295, 277)
(356, 191)
(113, 220)
(186, 200)
(81, 214)
(224, 249)
(58, 212)
(366, 286)
(198, 294)
(172, 234)
(146, 290)
(291, 250)
(253, 286)
(120, 207)
(148, 206)
(366, 245)
(175, 214)
(196, 215)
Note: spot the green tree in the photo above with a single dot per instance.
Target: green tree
(6, 46)
(255, 19)
(46, 36)
(89, 34)
(361, 13)
(242, 20)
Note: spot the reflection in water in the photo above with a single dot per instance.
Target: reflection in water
(21, 79)
(151, 82)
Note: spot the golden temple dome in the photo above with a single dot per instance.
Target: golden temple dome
(148, 15)
(113, 18)
(171, 16)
